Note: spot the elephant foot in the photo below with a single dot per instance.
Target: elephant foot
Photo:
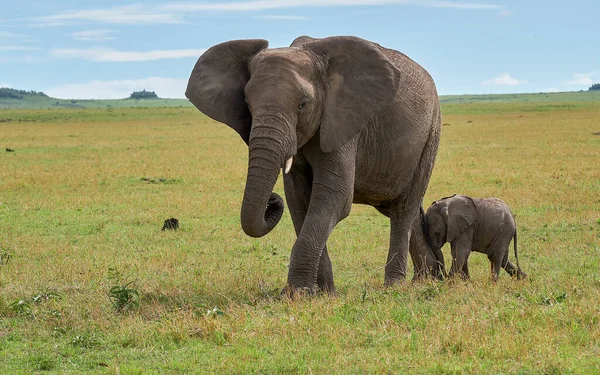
(325, 284)
(521, 275)
(394, 280)
(420, 277)
(328, 290)
(293, 292)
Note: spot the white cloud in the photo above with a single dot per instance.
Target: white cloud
(504, 79)
(285, 18)
(5, 85)
(129, 15)
(92, 35)
(453, 4)
(175, 12)
(164, 88)
(582, 79)
(17, 48)
(280, 4)
(505, 13)
(552, 89)
(108, 54)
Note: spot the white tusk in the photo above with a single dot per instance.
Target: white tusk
(288, 165)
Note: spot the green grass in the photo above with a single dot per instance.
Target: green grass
(84, 195)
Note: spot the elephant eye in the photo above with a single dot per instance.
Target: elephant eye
(303, 104)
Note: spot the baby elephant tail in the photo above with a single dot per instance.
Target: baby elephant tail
(520, 274)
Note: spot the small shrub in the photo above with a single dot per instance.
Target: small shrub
(21, 307)
(42, 362)
(215, 312)
(85, 340)
(123, 296)
(5, 257)
(45, 296)
(553, 299)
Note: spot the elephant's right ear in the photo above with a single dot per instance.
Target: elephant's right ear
(461, 214)
(216, 85)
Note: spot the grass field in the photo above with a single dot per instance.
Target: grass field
(84, 194)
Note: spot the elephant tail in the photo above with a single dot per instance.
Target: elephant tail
(516, 253)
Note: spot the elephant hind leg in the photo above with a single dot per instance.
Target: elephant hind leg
(497, 262)
(401, 222)
(465, 269)
(512, 270)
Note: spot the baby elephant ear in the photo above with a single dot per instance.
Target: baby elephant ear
(361, 81)
(216, 85)
(461, 214)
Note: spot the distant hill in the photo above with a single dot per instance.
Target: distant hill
(11, 98)
(6, 92)
(541, 97)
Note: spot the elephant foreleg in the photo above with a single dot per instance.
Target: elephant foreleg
(460, 249)
(298, 187)
(325, 273)
(329, 201)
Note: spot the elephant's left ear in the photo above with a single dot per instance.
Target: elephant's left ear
(216, 85)
(361, 81)
(461, 214)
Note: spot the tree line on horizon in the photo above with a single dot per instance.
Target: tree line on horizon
(6, 92)
(143, 95)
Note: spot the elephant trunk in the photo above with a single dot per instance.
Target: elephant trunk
(261, 208)
(427, 259)
(439, 258)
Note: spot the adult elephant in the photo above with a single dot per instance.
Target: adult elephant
(348, 121)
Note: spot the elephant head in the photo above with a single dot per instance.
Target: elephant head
(279, 99)
(448, 218)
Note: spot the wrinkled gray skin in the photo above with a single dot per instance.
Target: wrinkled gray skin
(361, 122)
(469, 224)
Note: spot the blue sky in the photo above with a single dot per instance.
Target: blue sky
(92, 49)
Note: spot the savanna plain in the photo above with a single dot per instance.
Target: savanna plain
(90, 284)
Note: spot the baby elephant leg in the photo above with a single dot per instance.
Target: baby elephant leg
(460, 249)
(460, 254)
(512, 270)
(496, 264)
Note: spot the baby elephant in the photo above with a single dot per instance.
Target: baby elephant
(469, 224)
